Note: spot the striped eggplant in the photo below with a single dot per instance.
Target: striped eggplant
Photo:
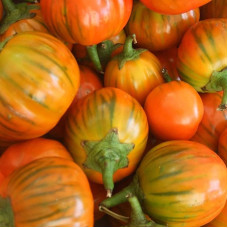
(179, 183)
(38, 89)
(157, 32)
(106, 133)
(202, 57)
(213, 122)
(49, 192)
(136, 71)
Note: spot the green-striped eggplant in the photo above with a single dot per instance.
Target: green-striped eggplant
(39, 78)
(49, 192)
(157, 32)
(179, 183)
(106, 133)
(202, 57)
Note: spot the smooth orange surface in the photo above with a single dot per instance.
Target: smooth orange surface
(173, 7)
(220, 220)
(174, 111)
(20, 154)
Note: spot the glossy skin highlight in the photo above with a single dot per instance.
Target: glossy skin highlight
(177, 190)
(95, 115)
(157, 32)
(174, 111)
(44, 79)
(86, 22)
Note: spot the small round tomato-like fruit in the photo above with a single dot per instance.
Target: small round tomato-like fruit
(174, 110)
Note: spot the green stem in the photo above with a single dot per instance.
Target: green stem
(93, 54)
(218, 82)
(6, 213)
(105, 50)
(128, 53)
(15, 12)
(108, 169)
(138, 219)
(113, 214)
(120, 197)
(166, 75)
(107, 156)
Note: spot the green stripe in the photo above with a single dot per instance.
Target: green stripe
(169, 153)
(167, 175)
(60, 210)
(112, 105)
(14, 112)
(62, 68)
(36, 171)
(66, 18)
(201, 46)
(186, 192)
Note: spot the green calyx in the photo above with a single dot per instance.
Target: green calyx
(218, 82)
(107, 156)
(6, 213)
(15, 12)
(128, 53)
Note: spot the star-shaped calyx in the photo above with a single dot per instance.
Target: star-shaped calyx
(106, 156)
